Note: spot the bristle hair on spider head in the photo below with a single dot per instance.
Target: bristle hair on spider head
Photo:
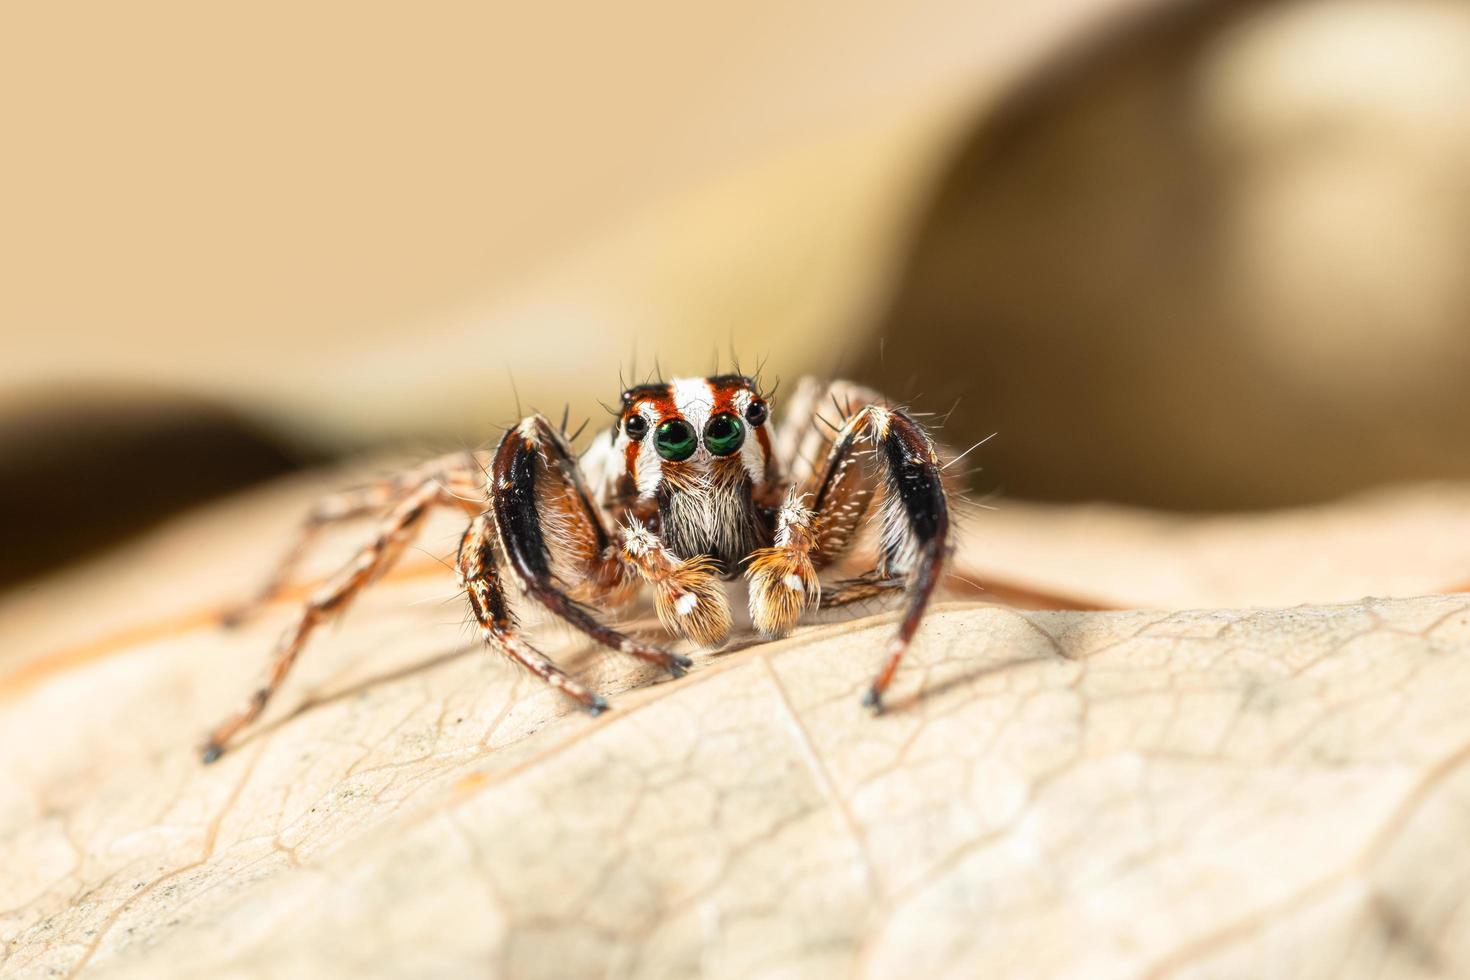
(674, 435)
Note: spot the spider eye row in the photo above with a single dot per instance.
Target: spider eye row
(675, 439)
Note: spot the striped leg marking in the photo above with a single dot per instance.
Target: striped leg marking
(480, 576)
(534, 470)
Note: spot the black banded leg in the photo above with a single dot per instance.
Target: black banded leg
(882, 452)
(915, 525)
(533, 468)
(480, 577)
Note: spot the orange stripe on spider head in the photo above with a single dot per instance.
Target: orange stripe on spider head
(764, 438)
(723, 392)
(630, 459)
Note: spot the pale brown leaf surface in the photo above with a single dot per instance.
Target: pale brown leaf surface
(1222, 792)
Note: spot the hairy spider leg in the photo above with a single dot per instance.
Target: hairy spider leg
(863, 588)
(812, 534)
(814, 413)
(480, 577)
(533, 470)
(459, 472)
(397, 530)
(915, 526)
(876, 451)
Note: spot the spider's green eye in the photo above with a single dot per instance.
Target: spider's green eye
(675, 440)
(724, 434)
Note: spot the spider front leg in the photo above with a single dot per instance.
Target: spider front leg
(550, 530)
(480, 578)
(877, 452)
(915, 525)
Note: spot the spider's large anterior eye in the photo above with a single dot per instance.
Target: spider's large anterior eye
(755, 412)
(636, 426)
(675, 440)
(723, 435)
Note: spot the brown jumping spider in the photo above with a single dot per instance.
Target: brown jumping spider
(692, 485)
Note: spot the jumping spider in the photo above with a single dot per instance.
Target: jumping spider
(692, 485)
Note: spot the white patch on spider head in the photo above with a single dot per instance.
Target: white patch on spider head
(693, 398)
(685, 604)
(694, 401)
(647, 467)
(794, 583)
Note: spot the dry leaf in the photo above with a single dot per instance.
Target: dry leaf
(1195, 793)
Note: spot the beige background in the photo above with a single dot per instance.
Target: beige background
(1193, 255)
(360, 220)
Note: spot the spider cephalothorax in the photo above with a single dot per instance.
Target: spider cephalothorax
(699, 449)
(690, 487)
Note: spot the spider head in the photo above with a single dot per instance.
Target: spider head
(690, 433)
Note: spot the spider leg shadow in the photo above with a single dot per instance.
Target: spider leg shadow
(575, 660)
(925, 691)
(906, 702)
(318, 700)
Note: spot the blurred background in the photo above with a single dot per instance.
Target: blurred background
(1188, 255)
